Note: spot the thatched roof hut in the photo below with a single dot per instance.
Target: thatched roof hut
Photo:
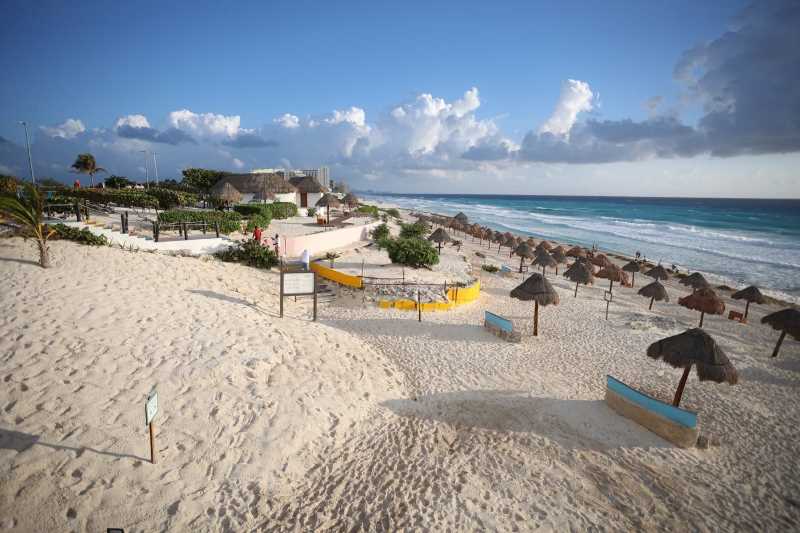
(579, 273)
(226, 192)
(576, 251)
(612, 273)
(698, 348)
(654, 291)
(327, 201)
(440, 236)
(705, 301)
(538, 289)
(785, 321)
(695, 281)
(657, 272)
(264, 184)
(307, 184)
(351, 200)
(750, 294)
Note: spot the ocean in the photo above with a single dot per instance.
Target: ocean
(732, 241)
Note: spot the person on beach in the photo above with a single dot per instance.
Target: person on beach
(257, 234)
(277, 245)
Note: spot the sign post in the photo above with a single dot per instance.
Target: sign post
(298, 284)
(150, 411)
(608, 296)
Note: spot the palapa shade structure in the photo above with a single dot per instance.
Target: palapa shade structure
(351, 200)
(439, 236)
(705, 301)
(500, 239)
(508, 241)
(785, 321)
(546, 245)
(632, 267)
(579, 273)
(698, 348)
(695, 281)
(461, 218)
(229, 194)
(558, 254)
(560, 249)
(538, 289)
(523, 251)
(327, 201)
(657, 272)
(654, 291)
(531, 242)
(576, 251)
(749, 294)
(544, 260)
(516, 242)
(612, 273)
(600, 260)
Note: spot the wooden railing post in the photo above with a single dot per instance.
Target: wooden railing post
(185, 231)
(216, 228)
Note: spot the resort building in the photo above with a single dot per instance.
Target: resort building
(309, 190)
(321, 174)
(259, 187)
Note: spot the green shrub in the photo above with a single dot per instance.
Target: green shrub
(380, 233)
(392, 212)
(248, 210)
(251, 253)
(417, 230)
(281, 210)
(169, 198)
(311, 211)
(411, 252)
(370, 210)
(490, 268)
(121, 197)
(83, 236)
(228, 221)
(261, 220)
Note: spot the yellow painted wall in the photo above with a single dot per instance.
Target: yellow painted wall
(460, 296)
(335, 275)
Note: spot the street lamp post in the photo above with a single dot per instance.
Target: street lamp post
(155, 167)
(146, 171)
(28, 145)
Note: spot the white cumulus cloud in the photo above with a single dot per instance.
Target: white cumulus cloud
(205, 125)
(134, 121)
(66, 130)
(576, 96)
(287, 120)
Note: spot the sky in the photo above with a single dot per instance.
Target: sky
(611, 98)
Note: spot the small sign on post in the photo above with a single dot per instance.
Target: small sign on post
(298, 284)
(150, 411)
(608, 296)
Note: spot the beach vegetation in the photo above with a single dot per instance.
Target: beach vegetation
(25, 208)
(229, 221)
(311, 211)
(118, 182)
(8, 184)
(381, 232)
(392, 212)
(370, 210)
(417, 230)
(490, 268)
(282, 210)
(121, 197)
(86, 164)
(411, 252)
(261, 220)
(82, 236)
(250, 252)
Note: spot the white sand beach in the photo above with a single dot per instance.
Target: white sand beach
(368, 419)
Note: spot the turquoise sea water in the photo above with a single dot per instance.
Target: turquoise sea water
(736, 241)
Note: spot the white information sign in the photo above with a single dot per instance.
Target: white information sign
(298, 283)
(151, 407)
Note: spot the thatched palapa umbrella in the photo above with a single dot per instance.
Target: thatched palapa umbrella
(546, 245)
(560, 249)
(633, 267)
(785, 321)
(579, 273)
(327, 201)
(351, 200)
(698, 348)
(523, 251)
(654, 291)
(439, 236)
(612, 273)
(576, 251)
(544, 260)
(695, 281)
(461, 218)
(750, 294)
(538, 289)
(500, 239)
(600, 260)
(558, 254)
(657, 272)
(705, 301)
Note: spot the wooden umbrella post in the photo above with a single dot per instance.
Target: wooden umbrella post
(535, 318)
(651, 303)
(746, 308)
(678, 393)
(576, 289)
(152, 445)
(702, 314)
(611, 285)
(778, 346)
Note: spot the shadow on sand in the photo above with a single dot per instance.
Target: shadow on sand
(20, 261)
(411, 327)
(231, 299)
(573, 424)
(19, 442)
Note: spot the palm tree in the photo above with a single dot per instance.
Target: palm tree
(85, 164)
(26, 210)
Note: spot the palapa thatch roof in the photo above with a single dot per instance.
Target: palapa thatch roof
(531, 242)
(546, 245)
(228, 193)
(328, 200)
(632, 266)
(600, 260)
(307, 184)
(657, 272)
(705, 300)
(544, 259)
(524, 250)
(612, 272)
(536, 288)
(695, 281)
(461, 218)
(498, 237)
(655, 290)
(509, 241)
(576, 251)
(559, 249)
(558, 255)
(695, 347)
(750, 294)
(787, 320)
(351, 200)
(263, 183)
(579, 273)
(440, 235)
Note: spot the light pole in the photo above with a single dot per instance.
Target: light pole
(146, 172)
(28, 144)
(155, 167)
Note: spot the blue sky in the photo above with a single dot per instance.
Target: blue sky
(503, 68)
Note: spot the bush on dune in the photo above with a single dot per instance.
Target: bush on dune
(412, 252)
(228, 221)
(250, 252)
(82, 236)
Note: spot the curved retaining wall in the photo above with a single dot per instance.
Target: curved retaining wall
(339, 277)
(456, 296)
